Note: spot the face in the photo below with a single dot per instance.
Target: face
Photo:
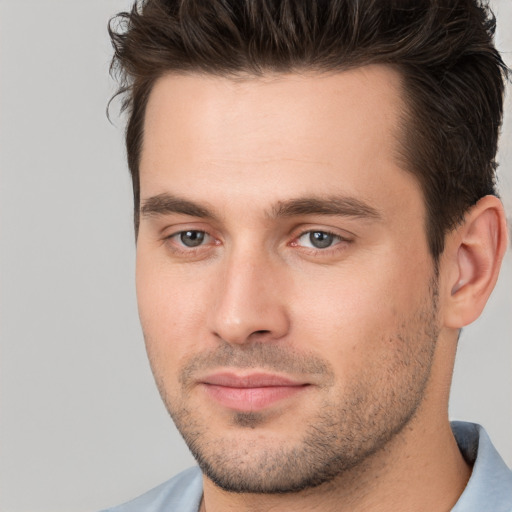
(285, 288)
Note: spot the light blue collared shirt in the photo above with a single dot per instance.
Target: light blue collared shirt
(489, 489)
(490, 486)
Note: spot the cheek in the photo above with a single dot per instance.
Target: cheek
(354, 316)
(171, 306)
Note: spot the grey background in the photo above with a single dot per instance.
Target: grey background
(82, 426)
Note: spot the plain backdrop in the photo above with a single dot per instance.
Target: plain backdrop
(82, 426)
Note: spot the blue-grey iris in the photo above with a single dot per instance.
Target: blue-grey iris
(192, 238)
(320, 239)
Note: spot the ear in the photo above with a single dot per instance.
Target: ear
(472, 260)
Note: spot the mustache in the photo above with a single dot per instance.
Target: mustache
(265, 356)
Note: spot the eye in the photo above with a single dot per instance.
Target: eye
(318, 239)
(191, 238)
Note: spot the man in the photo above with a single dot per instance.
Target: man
(316, 221)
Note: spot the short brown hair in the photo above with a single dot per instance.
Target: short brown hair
(452, 74)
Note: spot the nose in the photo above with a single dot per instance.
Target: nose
(250, 300)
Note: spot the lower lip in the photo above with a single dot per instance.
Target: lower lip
(251, 399)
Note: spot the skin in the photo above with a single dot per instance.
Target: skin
(365, 325)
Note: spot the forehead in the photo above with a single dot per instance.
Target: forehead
(312, 130)
(367, 98)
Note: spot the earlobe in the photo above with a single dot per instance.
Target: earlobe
(476, 251)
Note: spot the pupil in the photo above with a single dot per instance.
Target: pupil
(192, 238)
(320, 240)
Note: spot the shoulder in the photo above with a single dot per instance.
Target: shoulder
(183, 493)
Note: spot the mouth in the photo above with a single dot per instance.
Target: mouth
(252, 392)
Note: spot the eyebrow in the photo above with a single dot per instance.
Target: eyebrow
(166, 204)
(333, 205)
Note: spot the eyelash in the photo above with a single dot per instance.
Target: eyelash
(181, 249)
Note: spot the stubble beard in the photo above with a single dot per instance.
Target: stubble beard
(347, 430)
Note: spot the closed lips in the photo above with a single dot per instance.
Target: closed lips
(250, 392)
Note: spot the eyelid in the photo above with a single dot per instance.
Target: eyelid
(323, 231)
(303, 229)
(337, 238)
(169, 230)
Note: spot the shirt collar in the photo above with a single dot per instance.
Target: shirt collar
(490, 484)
